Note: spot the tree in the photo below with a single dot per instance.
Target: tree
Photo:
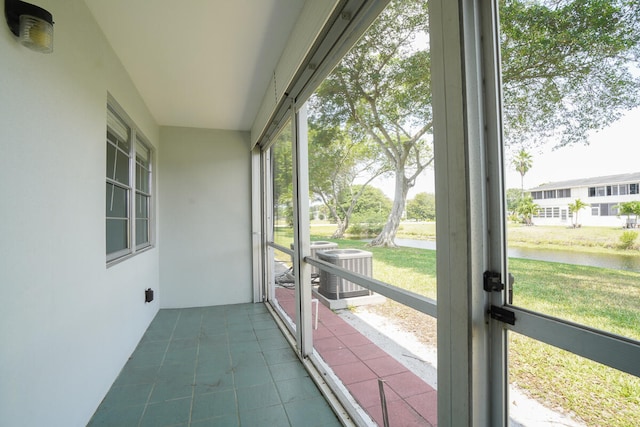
(526, 209)
(576, 207)
(422, 207)
(381, 89)
(628, 209)
(513, 198)
(335, 163)
(283, 178)
(566, 69)
(522, 163)
(568, 66)
(371, 203)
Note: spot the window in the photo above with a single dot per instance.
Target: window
(614, 190)
(536, 195)
(565, 192)
(128, 188)
(604, 209)
(613, 209)
(550, 194)
(143, 194)
(587, 308)
(607, 209)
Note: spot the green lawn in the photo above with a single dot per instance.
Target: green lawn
(587, 239)
(602, 298)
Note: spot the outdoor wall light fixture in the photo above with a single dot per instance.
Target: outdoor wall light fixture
(31, 24)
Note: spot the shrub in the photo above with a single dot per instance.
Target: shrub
(365, 229)
(370, 225)
(628, 239)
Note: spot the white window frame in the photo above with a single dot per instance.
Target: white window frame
(133, 189)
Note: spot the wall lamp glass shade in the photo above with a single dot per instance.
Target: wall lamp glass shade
(31, 24)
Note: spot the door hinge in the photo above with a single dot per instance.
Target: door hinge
(503, 315)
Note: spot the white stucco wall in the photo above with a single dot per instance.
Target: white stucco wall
(206, 217)
(67, 323)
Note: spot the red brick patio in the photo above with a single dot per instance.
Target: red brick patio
(359, 363)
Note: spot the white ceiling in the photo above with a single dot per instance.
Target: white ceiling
(199, 63)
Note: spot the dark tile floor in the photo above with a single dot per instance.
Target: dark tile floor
(214, 366)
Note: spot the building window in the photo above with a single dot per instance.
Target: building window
(550, 194)
(536, 195)
(608, 209)
(563, 193)
(597, 191)
(556, 212)
(613, 209)
(614, 190)
(604, 209)
(128, 189)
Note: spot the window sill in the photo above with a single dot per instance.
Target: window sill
(129, 255)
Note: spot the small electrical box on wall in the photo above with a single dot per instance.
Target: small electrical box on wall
(148, 295)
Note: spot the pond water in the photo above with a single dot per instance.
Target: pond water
(629, 262)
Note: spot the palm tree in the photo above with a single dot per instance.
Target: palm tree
(527, 208)
(628, 209)
(522, 162)
(576, 206)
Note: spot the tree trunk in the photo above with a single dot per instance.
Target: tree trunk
(388, 234)
(342, 227)
(342, 223)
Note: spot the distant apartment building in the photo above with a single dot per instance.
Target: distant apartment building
(601, 194)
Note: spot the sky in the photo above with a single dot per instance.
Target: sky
(613, 150)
